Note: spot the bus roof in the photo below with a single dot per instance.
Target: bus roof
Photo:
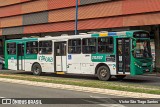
(121, 33)
(22, 40)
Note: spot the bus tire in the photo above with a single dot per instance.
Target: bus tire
(36, 69)
(120, 77)
(103, 73)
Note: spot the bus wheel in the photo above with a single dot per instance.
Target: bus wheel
(36, 69)
(120, 77)
(103, 73)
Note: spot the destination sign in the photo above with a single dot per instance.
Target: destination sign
(141, 35)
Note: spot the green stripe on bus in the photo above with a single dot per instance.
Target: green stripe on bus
(95, 35)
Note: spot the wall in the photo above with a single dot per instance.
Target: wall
(38, 16)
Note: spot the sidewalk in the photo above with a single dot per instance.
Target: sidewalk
(84, 89)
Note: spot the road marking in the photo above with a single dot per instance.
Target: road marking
(105, 105)
(97, 97)
(112, 105)
(2, 97)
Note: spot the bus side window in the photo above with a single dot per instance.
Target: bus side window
(11, 48)
(32, 47)
(89, 45)
(45, 47)
(58, 51)
(105, 44)
(74, 46)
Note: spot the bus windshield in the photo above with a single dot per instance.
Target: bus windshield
(142, 49)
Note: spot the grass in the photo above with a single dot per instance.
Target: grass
(87, 83)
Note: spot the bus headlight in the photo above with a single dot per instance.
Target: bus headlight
(137, 65)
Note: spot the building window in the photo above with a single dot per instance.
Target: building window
(105, 45)
(89, 45)
(74, 46)
(45, 47)
(11, 48)
(32, 47)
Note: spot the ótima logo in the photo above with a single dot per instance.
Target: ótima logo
(45, 58)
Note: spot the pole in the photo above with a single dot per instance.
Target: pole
(76, 19)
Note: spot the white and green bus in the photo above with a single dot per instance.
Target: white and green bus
(101, 54)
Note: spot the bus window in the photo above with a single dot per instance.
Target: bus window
(120, 47)
(45, 47)
(105, 45)
(58, 49)
(11, 48)
(64, 49)
(74, 46)
(89, 45)
(32, 47)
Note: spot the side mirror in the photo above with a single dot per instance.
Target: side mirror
(134, 45)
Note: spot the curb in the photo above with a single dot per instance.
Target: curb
(83, 89)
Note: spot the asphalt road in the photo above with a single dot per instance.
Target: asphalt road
(10, 90)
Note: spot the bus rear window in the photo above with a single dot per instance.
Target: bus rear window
(45, 47)
(11, 48)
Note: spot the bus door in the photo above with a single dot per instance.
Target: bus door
(20, 57)
(60, 59)
(123, 56)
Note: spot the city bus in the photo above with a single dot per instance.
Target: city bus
(103, 54)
